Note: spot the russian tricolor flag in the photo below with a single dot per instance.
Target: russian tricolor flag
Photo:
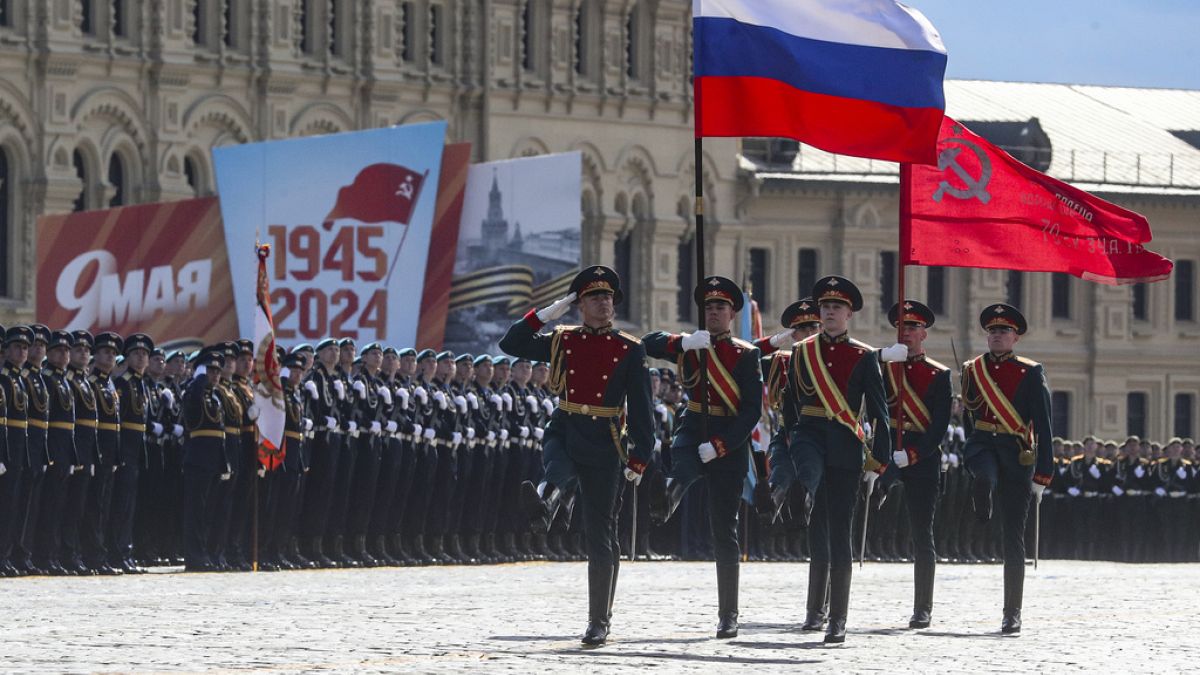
(855, 77)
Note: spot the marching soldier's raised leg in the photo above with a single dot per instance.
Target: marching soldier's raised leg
(596, 371)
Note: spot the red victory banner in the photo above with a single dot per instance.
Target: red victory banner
(380, 193)
(980, 207)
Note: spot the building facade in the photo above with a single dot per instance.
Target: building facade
(111, 102)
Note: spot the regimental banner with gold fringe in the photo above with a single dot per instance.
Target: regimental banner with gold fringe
(827, 390)
(268, 390)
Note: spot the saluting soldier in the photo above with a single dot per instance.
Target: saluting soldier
(920, 387)
(204, 458)
(64, 459)
(1008, 440)
(832, 377)
(713, 440)
(598, 373)
(16, 458)
(131, 388)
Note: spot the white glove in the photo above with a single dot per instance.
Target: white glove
(663, 413)
(896, 352)
(782, 340)
(1139, 472)
(1095, 471)
(701, 339)
(226, 476)
(507, 400)
(201, 370)
(391, 427)
(497, 401)
(417, 429)
(470, 432)
(1161, 492)
(1181, 472)
(548, 405)
(953, 459)
(461, 402)
(456, 437)
(866, 428)
(504, 434)
(430, 434)
(557, 309)
(352, 426)
(385, 394)
(114, 470)
(71, 470)
(252, 412)
(360, 388)
(420, 393)
(440, 398)
(330, 423)
(311, 388)
(633, 476)
(1116, 490)
(340, 388)
(156, 428)
(538, 432)
(92, 470)
(376, 427)
(960, 434)
(869, 478)
(307, 424)
(1038, 489)
(524, 431)
(403, 394)
(473, 400)
(1073, 491)
(262, 472)
(707, 452)
(657, 445)
(900, 458)
(491, 435)
(4, 469)
(168, 397)
(177, 431)
(285, 373)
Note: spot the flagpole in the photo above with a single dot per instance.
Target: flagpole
(699, 240)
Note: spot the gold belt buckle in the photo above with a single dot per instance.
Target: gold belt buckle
(585, 409)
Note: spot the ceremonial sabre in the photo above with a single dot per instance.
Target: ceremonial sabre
(1037, 529)
(633, 537)
(862, 547)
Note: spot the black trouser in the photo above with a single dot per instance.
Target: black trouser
(245, 474)
(505, 517)
(199, 511)
(724, 496)
(11, 488)
(996, 465)
(30, 501)
(390, 458)
(150, 527)
(318, 493)
(75, 507)
(406, 472)
(921, 482)
(493, 500)
(343, 482)
(464, 467)
(124, 495)
(99, 505)
(47, 545)
(365, 480)
(475, 508)
(444, 485)
(417, 516)
(285, 494)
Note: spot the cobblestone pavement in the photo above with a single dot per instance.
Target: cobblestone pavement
(527, 618)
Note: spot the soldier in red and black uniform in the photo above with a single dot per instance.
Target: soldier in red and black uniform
(1008, 445)
(918, 464)
(831, 377)
(600, 375)
(713, 440)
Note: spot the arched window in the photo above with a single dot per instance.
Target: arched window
(117, 176)
(623, 266)
(192, 174)
(87, 23)
(6, 216)
(633, 40)
(528, 37)
(84, 200)
(199, 22)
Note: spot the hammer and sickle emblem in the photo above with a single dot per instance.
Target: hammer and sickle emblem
(976, 187)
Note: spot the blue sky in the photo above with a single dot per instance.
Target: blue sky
(1137, 43)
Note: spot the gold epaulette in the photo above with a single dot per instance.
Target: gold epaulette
(1101, 460)
(1160, 460)
(1076, 457)
(937, 365)
(632, 338)
(742, 343)
(854, 343)
(1029, 362)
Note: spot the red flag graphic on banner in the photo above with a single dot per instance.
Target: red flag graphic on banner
(380, 193)
(980, 207)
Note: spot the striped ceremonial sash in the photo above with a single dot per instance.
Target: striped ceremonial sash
(720, 379)
(914, 408)
(997, 402)
(835, 403)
